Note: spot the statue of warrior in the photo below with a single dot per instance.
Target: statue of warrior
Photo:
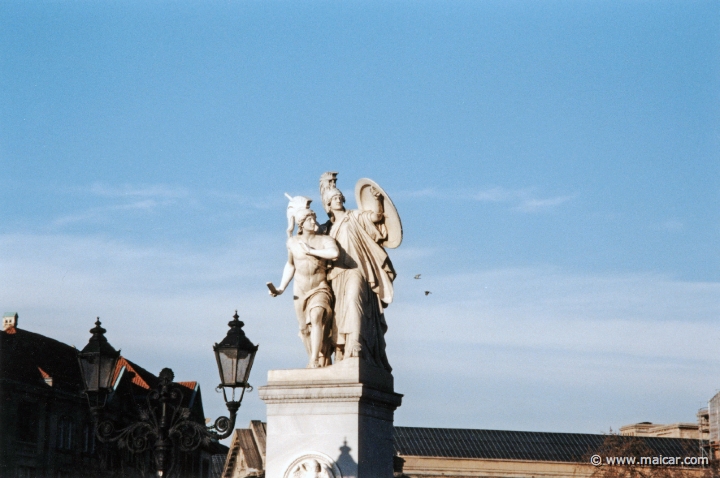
(308, 260)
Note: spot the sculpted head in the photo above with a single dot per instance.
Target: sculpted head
(334, 200)
(306, 220)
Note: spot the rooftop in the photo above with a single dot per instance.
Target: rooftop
(515, 445)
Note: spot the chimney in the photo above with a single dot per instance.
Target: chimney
(10, 320)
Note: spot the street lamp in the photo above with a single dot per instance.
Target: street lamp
(165, 425)
(235, 355)
(97, 366)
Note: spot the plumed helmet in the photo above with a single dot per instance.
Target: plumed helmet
(296, 204)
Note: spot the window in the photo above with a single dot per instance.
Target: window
(64, 434)
(89, 438)
(27, 422)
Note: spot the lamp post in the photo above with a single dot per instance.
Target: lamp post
(165, 425)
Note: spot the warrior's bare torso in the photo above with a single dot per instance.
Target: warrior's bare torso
(310, 271)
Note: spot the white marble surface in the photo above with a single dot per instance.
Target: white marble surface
(344, 411)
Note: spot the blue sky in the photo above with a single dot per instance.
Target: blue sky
(555, 165)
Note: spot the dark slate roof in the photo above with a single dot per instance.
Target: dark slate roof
(25, 356)
(514, 445)
(23, 353)
(217, 463)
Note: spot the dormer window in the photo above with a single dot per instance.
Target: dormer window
(46, 377)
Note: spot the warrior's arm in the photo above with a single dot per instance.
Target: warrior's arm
(329, 252)
(287, 276)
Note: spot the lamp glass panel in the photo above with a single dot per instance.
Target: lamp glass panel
(242, 366)
(90, 372)
(228, 364)
(107, 369)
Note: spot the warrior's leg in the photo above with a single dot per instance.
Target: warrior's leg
(316, 334)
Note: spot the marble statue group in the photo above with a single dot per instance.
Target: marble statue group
(343, 277)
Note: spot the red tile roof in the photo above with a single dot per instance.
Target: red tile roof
(137, 379)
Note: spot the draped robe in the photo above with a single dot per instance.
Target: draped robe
(362, 281)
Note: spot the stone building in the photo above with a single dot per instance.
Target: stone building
(46, 429)
(675, 430)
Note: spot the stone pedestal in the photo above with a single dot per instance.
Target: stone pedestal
(334, 422)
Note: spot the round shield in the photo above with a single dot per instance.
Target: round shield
(364, 199)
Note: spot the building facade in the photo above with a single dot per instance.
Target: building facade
(46, 429)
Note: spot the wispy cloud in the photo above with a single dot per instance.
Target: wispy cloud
(102, 213)
(612, 349)
(416, 193)
(537, 205)
(91, 214)
(114, 199)
(604, 314)
(109, 202)
(525, 200)
(498, 194)
(154, 191)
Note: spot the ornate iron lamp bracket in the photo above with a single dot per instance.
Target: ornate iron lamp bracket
(165, 425)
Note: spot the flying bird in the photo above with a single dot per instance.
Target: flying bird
(427, 292)
(417, 276)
